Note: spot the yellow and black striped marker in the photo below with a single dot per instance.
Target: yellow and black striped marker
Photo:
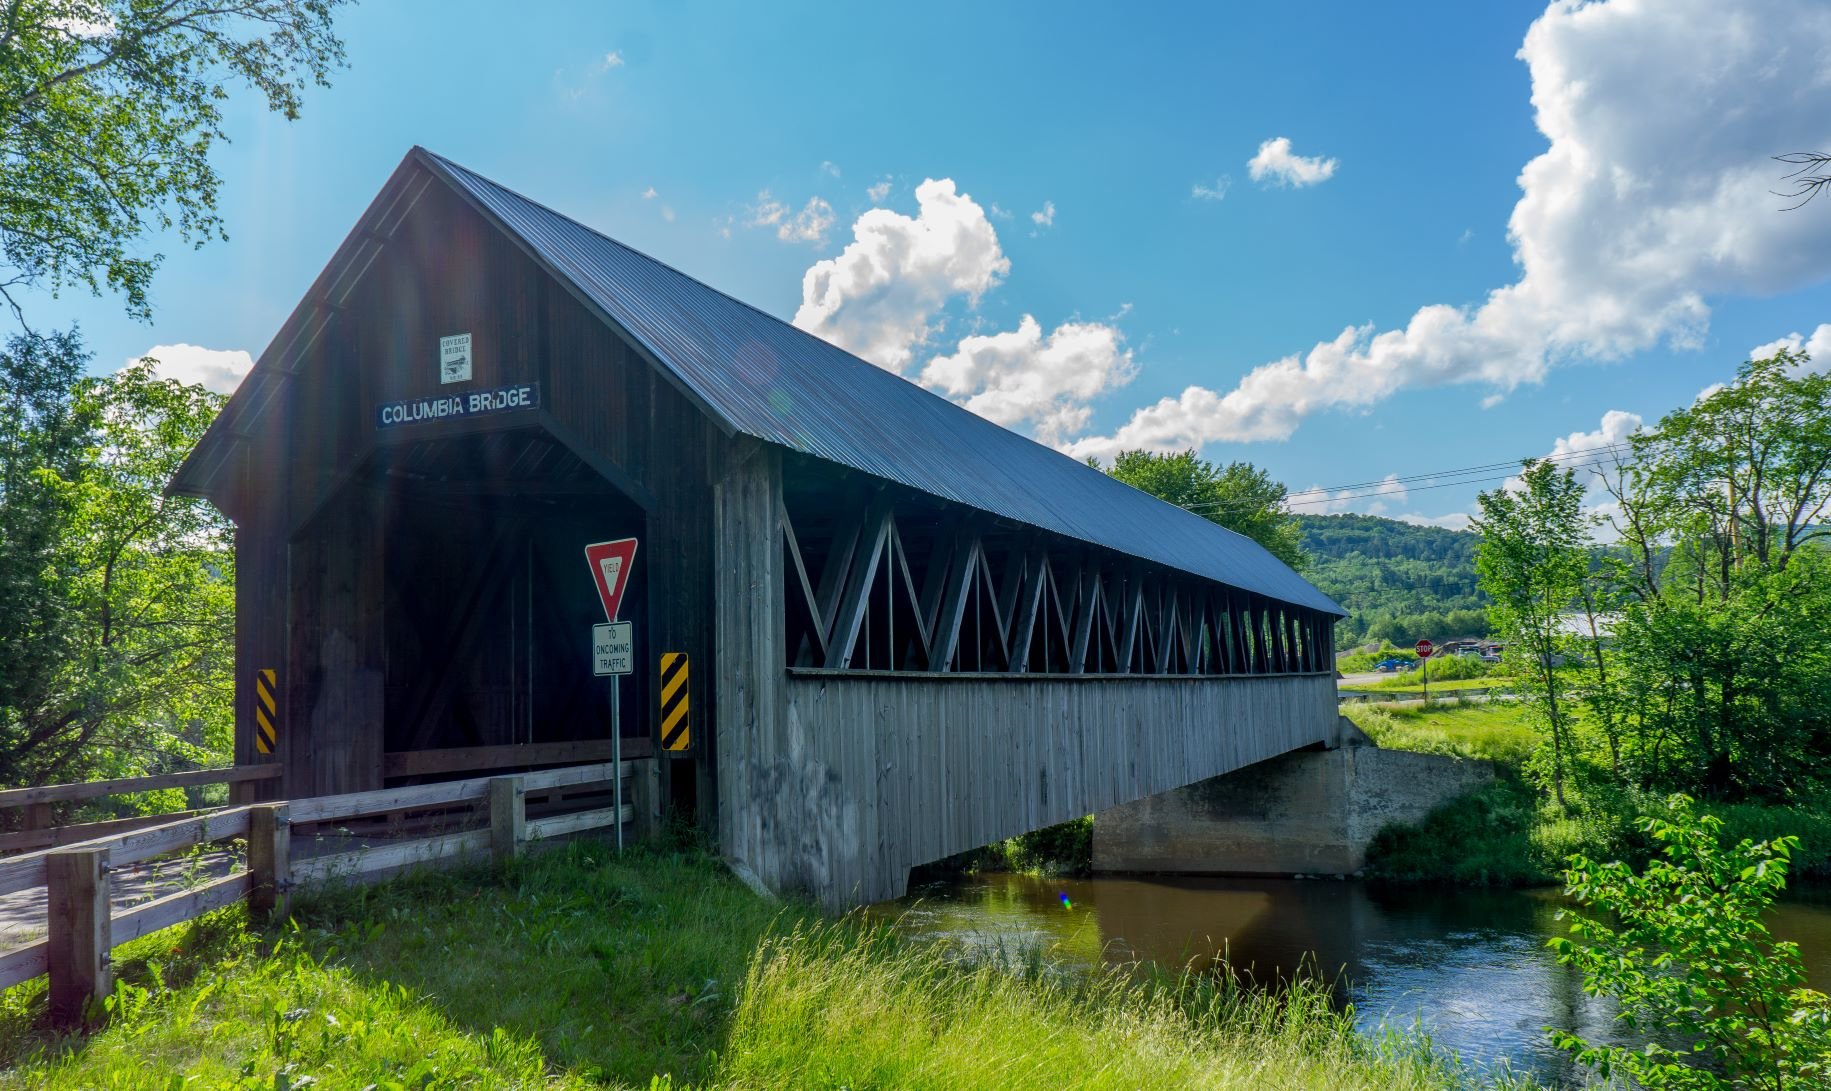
(676, 719)
(266, 711)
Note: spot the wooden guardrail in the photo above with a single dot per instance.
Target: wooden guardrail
(40, 831)
(83, 927)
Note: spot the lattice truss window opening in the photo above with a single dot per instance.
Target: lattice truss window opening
(883, 579)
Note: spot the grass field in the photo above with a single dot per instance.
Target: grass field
(1508, 834)
(1490, 730)
(1414, 683)
(657, 970)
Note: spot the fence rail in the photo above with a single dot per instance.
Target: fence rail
(41, 831)
(83, 927)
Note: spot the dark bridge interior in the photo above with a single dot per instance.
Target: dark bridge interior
(486, 600)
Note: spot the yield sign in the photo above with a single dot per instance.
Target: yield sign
(610, 563)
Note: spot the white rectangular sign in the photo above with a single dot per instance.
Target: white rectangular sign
(454, 358)
(613, 648)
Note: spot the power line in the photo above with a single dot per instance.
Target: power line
(1467, 475)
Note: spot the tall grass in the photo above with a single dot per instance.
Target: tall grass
(823, 1008)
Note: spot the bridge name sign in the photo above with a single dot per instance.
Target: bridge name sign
(476, 403)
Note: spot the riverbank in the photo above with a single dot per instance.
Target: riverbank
(1506, 834)
(582, 969)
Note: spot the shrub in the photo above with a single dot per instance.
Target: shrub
(1682, 949)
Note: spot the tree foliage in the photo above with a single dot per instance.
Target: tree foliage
(1723, 587)
(1684, 951)
(1533, 557)
(1694, 639)
(1240, 496)
(119, 623)
(1398, 581)
(108, 112)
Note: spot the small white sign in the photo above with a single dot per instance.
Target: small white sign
(454, 358)
(613, 648)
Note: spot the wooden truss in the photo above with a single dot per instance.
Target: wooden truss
(872, 588)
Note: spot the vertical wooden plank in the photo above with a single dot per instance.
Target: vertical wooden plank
(508, 818)
(270, 860)
(77, 911)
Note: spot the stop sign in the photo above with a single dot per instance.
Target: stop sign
(1425, 647)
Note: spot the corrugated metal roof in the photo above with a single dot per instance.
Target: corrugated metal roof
(765, 378)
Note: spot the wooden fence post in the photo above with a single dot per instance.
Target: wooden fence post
(508, 817)
(78, 914)
(270, 860)
(38, 816)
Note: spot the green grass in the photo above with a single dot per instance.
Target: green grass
(1412, 683)
(580, 969)
(1490, 730)
(823, 1010)
(1509, 835)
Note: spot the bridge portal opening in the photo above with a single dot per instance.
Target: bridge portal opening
(456, 612)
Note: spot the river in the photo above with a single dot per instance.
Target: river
(1470, 966)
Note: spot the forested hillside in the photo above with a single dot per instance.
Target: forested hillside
(1398, 581)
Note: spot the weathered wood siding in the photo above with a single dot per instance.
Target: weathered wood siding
(748, 674)
(880, 774)
(838, 783)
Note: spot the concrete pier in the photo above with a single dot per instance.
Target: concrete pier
(1311, 812)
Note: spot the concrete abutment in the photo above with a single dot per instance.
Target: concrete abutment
(1308, 812)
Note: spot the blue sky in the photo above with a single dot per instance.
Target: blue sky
(742, 143)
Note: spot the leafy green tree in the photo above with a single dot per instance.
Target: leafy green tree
(1240, 497)
(115, 600)
(1533, 559)
(108, 113)
(1682, 948)
(1723, 672)
(46, 439)
(130, 669)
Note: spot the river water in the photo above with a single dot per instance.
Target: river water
(1470, 966)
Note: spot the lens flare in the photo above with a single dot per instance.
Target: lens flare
(1066, 902)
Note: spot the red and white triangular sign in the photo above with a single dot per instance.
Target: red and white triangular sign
(610, 564)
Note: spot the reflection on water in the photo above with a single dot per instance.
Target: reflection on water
(1471, 966)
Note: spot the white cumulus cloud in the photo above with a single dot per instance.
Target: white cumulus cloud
(1022, 377)
(220, 370)
(1817, 346)
(1375, 499)
(877, 191)
(883, 295)
(1277, 164)
(1044, 216)
(1652, 195)
(1591, 455)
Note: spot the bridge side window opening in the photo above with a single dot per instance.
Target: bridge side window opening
(878, 580)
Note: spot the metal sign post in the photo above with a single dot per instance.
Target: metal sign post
(613, 655)
(1425, 648)
(613, 646)
(616, 752)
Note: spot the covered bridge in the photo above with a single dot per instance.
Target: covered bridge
(898, 631)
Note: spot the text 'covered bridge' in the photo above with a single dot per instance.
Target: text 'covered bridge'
(867, 628)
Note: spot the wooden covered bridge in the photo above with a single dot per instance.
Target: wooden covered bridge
(869, 628)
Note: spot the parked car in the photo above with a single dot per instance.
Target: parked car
(1388, 666)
